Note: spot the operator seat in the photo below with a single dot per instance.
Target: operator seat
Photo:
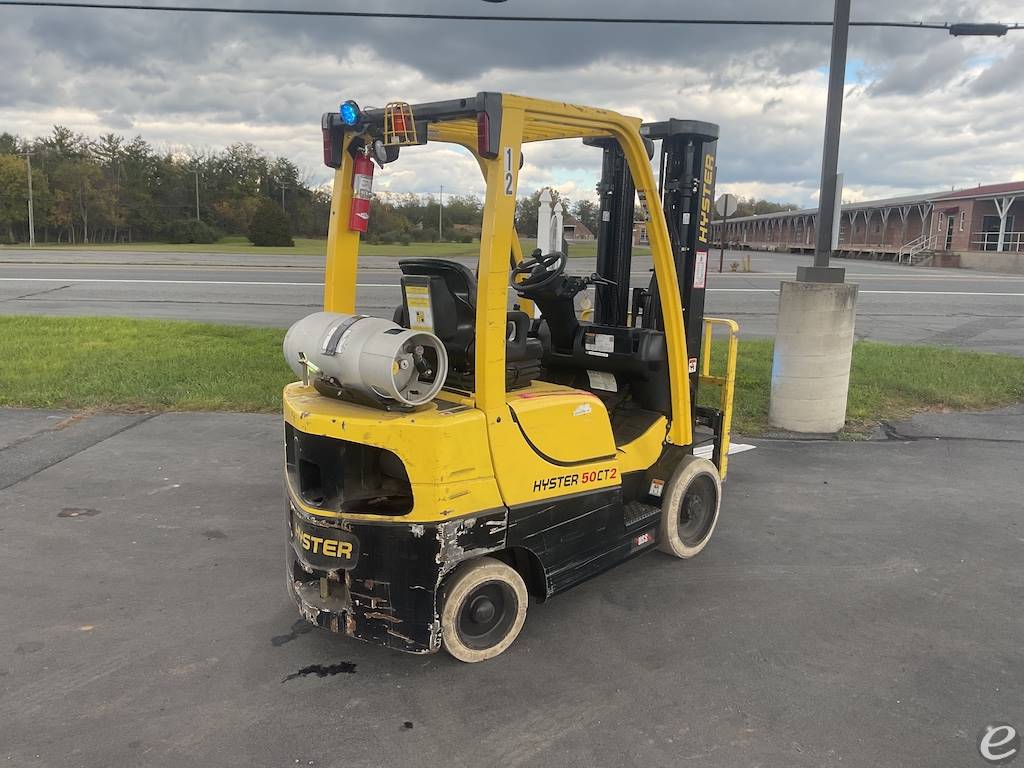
(452, 288)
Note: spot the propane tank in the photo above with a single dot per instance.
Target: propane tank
(367, 360)
(362, 191)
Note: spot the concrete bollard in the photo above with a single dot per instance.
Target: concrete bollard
(813, 347)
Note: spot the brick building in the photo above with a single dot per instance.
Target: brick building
(984, 219)
(574, 230)
(979, 227)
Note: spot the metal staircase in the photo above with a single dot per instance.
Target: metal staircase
(918, 250)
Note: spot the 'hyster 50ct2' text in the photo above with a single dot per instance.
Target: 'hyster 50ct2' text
(490, 445)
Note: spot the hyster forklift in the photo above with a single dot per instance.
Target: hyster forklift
(483, 449)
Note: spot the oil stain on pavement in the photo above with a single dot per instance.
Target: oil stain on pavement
(342, 667)
(300, 627)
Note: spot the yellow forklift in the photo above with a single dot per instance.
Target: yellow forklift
(477, 451)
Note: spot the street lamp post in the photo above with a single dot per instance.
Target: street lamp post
(814, 326)
(821, 272)
(196, 172)
(815, 323)
(31, 205)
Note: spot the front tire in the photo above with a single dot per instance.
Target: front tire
(483, 609)
(689, 509)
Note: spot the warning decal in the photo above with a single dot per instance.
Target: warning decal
(421, 312)
(700, 270)
(599, 342)
(602, 380)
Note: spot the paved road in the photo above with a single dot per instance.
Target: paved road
(898, 303)
(859, 606)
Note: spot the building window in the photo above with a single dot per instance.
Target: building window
(942, 217)
(963, 220)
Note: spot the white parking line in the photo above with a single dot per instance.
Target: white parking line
(175, 282)
(951, 275)
(895, 293)
(706, 451)
(873, 276)
(896, 276)
(124, 280)
(194, 267)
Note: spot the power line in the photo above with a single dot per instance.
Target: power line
(941, 25)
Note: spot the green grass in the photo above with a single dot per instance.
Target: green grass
(237, 244)
(119, 363)
(85, 362)
(886, 382)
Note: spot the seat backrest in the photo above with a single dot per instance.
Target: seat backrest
(459, 278)
(452, 296)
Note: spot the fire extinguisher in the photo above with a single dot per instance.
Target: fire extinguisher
(362, 189)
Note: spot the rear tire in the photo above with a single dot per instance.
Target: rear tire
(483, 609)
(689, 508)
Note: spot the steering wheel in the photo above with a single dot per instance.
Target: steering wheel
(538, 271)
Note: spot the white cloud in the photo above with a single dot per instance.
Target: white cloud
(928, 112)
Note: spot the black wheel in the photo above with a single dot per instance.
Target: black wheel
(484, 609)
(689, 509)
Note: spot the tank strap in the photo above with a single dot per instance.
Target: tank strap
(333, 338)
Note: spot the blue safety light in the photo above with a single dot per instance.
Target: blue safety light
(350, 113)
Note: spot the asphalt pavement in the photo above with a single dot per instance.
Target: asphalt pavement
(898, 303)
(859, 605)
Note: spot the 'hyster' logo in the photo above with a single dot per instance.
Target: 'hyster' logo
(577, 478)
(705, 198)
(328, 547)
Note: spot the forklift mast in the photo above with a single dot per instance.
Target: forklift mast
(614, 235)
(686, 181)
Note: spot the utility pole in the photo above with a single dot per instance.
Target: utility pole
(721, 252)
(812, 354)
(31, 205)
(821, 272)
(440, 212)
(196, 172)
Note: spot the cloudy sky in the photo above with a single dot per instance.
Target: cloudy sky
(924, 111)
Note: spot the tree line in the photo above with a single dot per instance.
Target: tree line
(405, 218)
(113, 189)
(751, 206)
(118, 190)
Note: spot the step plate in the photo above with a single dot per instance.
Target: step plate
(636, 512)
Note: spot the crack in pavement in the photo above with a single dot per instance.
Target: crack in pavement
(893, 434)
(54, 446)
(39, 293)
(963, 332)
(62, 424)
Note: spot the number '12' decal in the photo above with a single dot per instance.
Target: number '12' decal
(508, 170)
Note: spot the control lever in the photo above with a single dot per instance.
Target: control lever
(596, 279)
